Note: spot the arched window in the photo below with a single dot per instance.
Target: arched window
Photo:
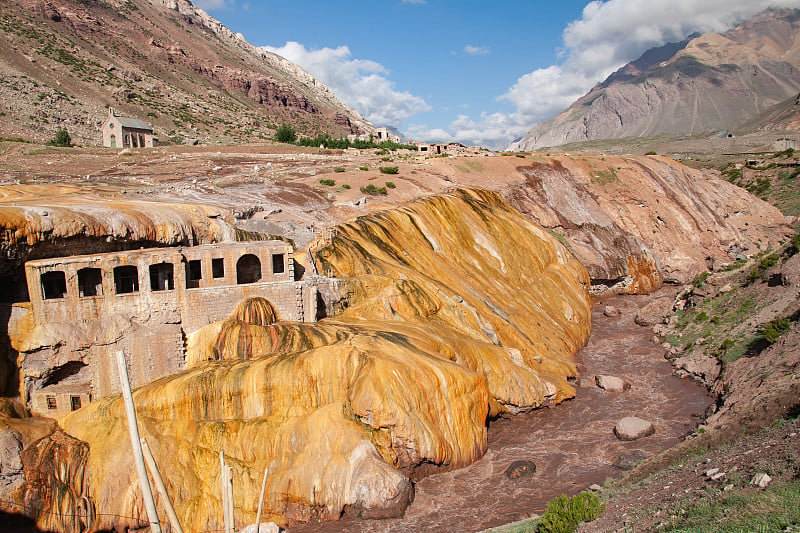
(248, 269)
(161, 277)
(54, 284)
(126, 279)
(113, 140)
(90, 282)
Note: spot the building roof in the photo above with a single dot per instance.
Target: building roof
(134, 123)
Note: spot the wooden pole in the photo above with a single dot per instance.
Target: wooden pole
(162, 490)
(261, 497)
(226, 478)
(138, 458)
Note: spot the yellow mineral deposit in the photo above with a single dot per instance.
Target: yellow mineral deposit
(458, 308)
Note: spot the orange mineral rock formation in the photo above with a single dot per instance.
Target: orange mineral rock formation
(458, 308)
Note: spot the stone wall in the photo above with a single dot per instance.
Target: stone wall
(145, 302)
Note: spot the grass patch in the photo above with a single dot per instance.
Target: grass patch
(563, 514)
(328, 182)
(389, 170)
(773, 509)
(373, 190)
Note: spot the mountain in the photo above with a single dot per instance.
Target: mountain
(712, 82)
(63, 62)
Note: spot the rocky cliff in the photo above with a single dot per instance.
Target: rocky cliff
(163, 61)
(458, 309)
(711, 83)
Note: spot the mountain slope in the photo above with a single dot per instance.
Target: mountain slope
(62, 62)
(713, 82)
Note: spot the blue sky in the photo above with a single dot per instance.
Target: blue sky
(477, 72)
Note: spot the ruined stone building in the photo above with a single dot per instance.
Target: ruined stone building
(145, 302)
(123, 132)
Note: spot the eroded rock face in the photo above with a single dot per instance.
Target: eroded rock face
(458, 308)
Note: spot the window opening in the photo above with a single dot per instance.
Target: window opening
(161, 277)
(278, 265)
(126, 279)
(90, 282)
(54, 284)
(248, 269)
(218, 268)
(51, 402)
(194, 273)
(75, 402)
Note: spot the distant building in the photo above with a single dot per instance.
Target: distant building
(123, 132)
(383, 134)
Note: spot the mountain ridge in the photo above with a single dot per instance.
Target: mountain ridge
(711, 83)
(165, 61)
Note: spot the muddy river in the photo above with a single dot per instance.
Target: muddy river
(572, 445)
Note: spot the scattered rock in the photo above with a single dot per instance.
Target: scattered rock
(519, 469)
(586, 383)
(610, 311)
(612, 383)
(655, 312)
(761, 480)
(726, 288)
(595, 487)
(727, 488)
(628, 461)
(633, 428)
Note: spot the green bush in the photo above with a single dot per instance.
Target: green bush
(700, 279)
(338, 169)
(373, 190)
(62, 138)
(390, 185)
(650, 152)
(563, 514)
(345, 186)
(363, 167)
(702, 316)
(389, 170)
(327, 182)
(285, 134)
(774, 329)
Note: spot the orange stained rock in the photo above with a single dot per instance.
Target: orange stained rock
(458, 308)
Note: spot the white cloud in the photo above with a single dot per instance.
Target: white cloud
(213, 4)
(476, 50)
(612, 33)
(608, 35)
(359, 83)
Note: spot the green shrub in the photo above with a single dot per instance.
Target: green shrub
(650, 152)
(382, 151)
(563, 514)
(769, 261)
(385, 159)
(389, 170)
(327, 182)
(285, 134)
(363, 167)
(373, 190)
(700, 279)
(390, 185)
(774, 329)
(702, 316)
(62, 138)
(345, 186)
(338, 169)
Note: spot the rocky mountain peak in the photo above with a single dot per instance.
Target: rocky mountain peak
(706, 83)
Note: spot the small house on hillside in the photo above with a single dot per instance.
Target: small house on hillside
(124, 132)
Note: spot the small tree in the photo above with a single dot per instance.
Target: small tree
(285, 134)
(62, 138)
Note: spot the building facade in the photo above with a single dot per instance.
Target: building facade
(124, 132)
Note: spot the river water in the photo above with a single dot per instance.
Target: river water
(572, 444)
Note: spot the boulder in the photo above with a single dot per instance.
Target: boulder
(612, 383)
(633, 428)
(610, 311)
(628, 461)
(519, 469)
(655, 312)
(761, 480)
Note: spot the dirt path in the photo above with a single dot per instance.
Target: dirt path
(572, 445)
